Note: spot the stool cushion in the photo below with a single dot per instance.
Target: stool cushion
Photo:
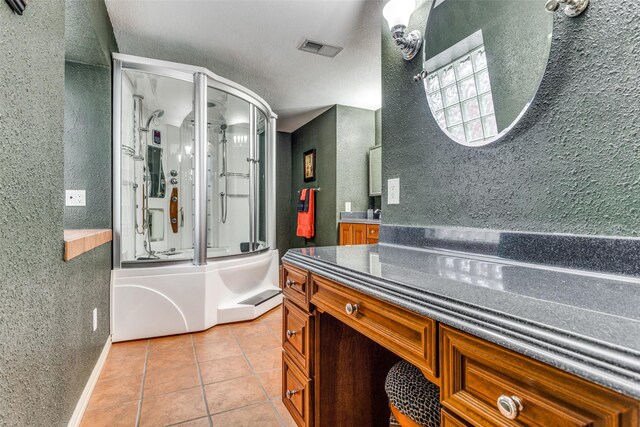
(413, 395)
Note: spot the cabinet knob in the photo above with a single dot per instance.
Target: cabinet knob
(290, 283)
(351, 309)
(290, 393)
(510, 407)
(291, 333)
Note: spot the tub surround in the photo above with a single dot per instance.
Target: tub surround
(77, 242)
(582, 322)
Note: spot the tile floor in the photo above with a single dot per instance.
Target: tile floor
(229, 375)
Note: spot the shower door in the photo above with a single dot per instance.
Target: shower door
(156, 167)
(235, 175)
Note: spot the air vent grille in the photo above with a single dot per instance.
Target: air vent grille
(319, 48)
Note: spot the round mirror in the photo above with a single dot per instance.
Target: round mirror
(484, 62)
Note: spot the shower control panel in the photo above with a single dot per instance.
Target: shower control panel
(157, 139)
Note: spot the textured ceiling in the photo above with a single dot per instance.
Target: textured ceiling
(255, 44)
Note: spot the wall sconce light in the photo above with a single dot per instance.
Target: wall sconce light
(18, 6)
(397, 13)
(572, 8)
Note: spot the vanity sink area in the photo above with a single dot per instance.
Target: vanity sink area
(464, 303)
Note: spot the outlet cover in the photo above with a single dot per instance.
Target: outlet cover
(347, 206)
(95, 319)
(393, 191)
(76, 198)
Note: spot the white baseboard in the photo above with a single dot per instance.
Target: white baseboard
(81, 406)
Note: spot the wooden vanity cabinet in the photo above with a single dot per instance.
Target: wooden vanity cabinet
(297, 345)
(338, 345)
(480, 377)
(358, 233)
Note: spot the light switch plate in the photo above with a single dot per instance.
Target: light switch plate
(393, 191)
(76, 198)
(347, 206)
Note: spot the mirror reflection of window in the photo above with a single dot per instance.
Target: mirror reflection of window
(460, 98)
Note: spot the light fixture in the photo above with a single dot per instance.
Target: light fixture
(397, 13)
(572, 8)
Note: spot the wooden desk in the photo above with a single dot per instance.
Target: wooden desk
(338, 345)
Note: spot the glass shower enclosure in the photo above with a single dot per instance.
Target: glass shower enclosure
(194, 160)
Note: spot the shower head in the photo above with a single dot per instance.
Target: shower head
(155, 115)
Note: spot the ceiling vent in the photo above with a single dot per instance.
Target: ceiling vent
(319, 48)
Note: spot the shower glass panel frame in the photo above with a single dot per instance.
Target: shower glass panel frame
(262, 194)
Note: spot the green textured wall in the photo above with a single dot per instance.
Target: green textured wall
(321, 134)
(571, 164)
(47, 346)
(87, 143)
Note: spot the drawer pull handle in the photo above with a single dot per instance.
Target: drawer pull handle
(290, 283)
(290, 393)
(351, 309)
(510, 407)
(291, 333)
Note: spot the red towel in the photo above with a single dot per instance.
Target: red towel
(306, 220)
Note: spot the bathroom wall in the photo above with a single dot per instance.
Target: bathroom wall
(321, 134)
(48, 347)
(341, 136)
(356, 133)
(378, 122)
(571, 165)
(87, 143)
(284, 208)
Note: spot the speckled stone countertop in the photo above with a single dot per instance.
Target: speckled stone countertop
(583, 322)
(359, 221)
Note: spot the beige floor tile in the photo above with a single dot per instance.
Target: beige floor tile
(285, 416)
(274, 325)
(119, 365)
(170, 357)
(217, 370)
(213, 334)
(272, 382)
(117, 390)
(217, 349)
(136, 348)
(173, 408)
(172, 341)
(267, 360)
(258, 342)
(169, 380)
(248, 328)
(200, 422)
(123, 414)
(262, 415)
(232, 394)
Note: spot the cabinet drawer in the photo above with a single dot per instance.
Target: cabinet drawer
(477, 374)
(407, 334)
(295, 285)
(448, 420)
(296, 392)
(372, 231)
(297, 335)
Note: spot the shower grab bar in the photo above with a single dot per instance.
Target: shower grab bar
(223, 194)
(235, 174)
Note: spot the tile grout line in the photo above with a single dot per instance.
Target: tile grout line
(144, 377)
(253, 372)
(204, 393)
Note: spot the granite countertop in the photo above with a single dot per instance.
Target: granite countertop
(358, 221)
(584, 322)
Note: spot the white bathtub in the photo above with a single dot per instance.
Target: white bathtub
(156, 301)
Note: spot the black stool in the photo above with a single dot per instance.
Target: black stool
(414, 400)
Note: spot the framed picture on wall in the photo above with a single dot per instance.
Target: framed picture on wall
(309, 165)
